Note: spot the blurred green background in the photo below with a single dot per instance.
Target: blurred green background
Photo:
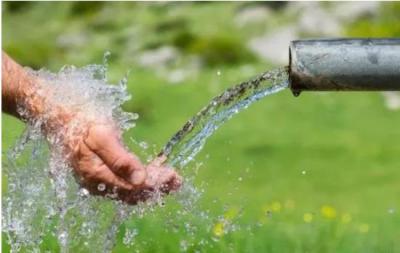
(317, 173)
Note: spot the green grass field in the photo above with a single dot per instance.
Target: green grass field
(317, 173)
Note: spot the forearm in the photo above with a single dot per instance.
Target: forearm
(17, 85)
(27, 97)
(36, 100)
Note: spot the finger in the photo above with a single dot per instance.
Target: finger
(104, 175)
(125, 167)
(176, 183)
(170, 181)
(105, 142)
(91, 168)
(133, 197)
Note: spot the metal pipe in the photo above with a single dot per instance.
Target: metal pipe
(344, 65)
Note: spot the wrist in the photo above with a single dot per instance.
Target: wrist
(36, 103)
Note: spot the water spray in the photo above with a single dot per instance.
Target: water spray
(344, 65)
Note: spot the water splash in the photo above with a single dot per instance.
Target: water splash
(188, 142)
(43, 197)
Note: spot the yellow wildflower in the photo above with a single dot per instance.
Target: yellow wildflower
(218, 229)
(308, 217)
(363, 228)
(328, 212)
(346, 218)
(276, 206)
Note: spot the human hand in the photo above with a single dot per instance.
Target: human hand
(105, 167)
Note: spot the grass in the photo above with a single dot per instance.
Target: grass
(317, 173)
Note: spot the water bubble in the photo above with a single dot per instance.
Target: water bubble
(101, 187)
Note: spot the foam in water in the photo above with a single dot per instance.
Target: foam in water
(187, 142)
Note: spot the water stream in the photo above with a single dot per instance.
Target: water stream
(190, 139)
(44, 200)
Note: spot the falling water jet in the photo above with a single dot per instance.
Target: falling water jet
(190, 139)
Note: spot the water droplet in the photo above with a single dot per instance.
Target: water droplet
(240, 179)
(391, 210)
(303, 172)
(218, 72)
(83, 192)
(296, 93)
(101, 187)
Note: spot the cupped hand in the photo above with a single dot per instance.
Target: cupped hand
(105, 167)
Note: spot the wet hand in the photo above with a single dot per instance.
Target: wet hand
(105, 167)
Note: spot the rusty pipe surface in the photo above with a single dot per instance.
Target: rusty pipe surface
(344, 65)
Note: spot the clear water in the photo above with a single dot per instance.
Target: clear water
(43, 199)
(188, 141)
